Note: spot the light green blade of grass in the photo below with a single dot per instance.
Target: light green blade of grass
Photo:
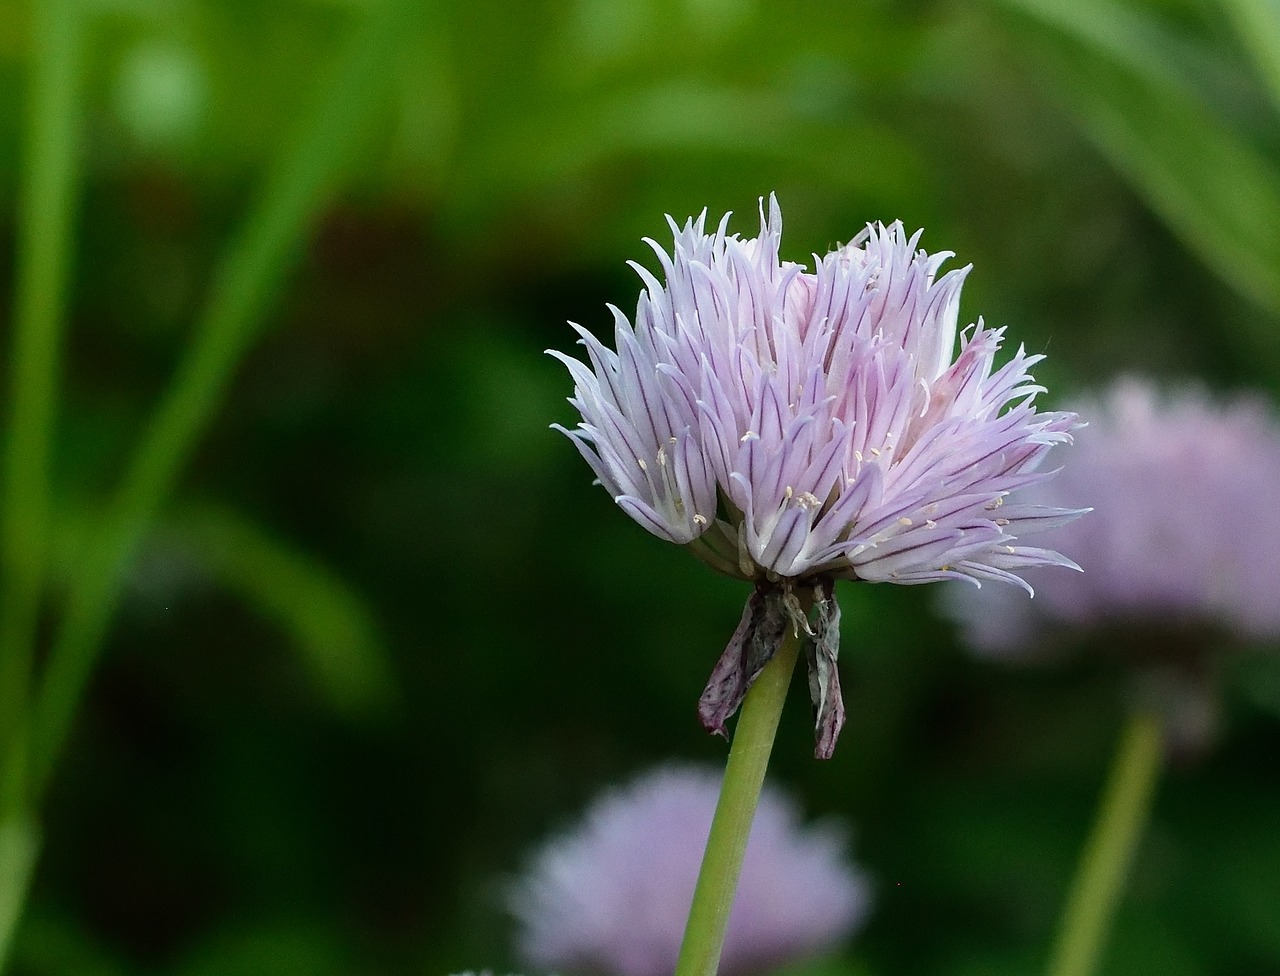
(295, 190)
(45, 220)
(1121, 32)
(331, 627)
(19, 848)
(1214, 189)
(1257, 24)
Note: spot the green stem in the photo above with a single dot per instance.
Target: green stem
(19, 845)
(1104, 864)
(739, 794)
(296, 189)
(45, 211)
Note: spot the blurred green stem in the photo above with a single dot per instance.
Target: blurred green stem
(739, 794)
(295, 191)
(19, 845)
(46, 203)
(1104, 863)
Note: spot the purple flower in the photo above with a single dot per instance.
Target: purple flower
(612, 896)
(793, 427)
(1166, 474)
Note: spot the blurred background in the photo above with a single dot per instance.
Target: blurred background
(384, 634)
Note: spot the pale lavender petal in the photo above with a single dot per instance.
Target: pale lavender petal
(823, 413)
(611, 895)
(1163, 472)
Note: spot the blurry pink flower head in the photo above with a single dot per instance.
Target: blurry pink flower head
(795, 426)
(612, 896)
(1165, 474)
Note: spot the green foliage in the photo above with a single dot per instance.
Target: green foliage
(1114, 69)
(332, 628)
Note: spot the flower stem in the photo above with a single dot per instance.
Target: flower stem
(45, 229)
(739, 794)
(1104, 863)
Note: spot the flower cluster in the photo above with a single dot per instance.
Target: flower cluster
(796, 426)
(612, 896)
(1165, 473)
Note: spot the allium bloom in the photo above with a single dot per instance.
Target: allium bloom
(1168, 475)
(794, 427)
(612, 896)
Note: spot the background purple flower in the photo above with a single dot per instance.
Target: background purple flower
(1185, 528)
(612, 895)
(792, 423)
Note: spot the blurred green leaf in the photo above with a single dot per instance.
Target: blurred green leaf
(299, 182)
(1218, 192)
(1258, 26)
(19, 847)
(331, 626)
